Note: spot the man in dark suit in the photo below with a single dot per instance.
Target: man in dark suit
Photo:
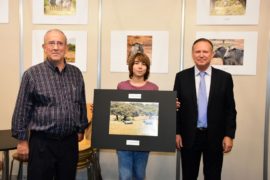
(212, 136)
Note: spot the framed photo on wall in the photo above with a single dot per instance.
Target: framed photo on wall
(77, 48)
(228, 12)
(4, 11)
(154, 44)
(134, 120)
(60, 12)
(234, 52)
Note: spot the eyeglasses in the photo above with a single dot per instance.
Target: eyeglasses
(57, 43)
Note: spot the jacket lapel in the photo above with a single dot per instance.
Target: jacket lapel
(213, 84)
(192, 85)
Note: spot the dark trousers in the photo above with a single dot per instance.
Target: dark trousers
(212, 159)
(52, 158)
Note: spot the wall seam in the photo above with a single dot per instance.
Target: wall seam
(266, 126)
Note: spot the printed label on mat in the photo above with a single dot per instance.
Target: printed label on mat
(133, 142)
(135, 96)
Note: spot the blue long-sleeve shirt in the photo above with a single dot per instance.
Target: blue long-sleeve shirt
(50, 101)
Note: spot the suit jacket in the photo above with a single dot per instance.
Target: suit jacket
(221, 110)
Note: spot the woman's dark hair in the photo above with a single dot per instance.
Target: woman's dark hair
(141, 57)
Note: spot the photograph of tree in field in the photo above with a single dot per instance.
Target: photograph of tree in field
(70, 55)
(134, 118)
(139, 44)
(228, 52)
(227, 7)
(60, 7)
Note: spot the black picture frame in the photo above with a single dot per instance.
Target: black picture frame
(164, 141)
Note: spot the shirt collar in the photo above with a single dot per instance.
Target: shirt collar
(208, 71)
(53, 67)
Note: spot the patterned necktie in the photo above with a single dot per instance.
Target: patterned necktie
(202, 102)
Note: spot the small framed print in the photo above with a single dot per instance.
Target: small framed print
(224, 12)
(77, 48)
(234, 52)
(3, 11)
(153, 43)
(60, 11)
(134, 120)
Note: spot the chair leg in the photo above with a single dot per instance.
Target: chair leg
(20, 171)
(11, 168)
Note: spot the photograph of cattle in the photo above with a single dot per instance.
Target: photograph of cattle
(60, 12)
(234, 52)
(139, 44)
(134, 118)
(59, 7)
(227, 7)
(228, 52)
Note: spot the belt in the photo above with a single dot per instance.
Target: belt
(201, 128)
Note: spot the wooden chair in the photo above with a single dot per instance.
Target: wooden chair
(85, 144)
(15, 156)
(88, 156)
(1, 165)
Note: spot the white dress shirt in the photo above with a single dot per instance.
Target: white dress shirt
(207, 78)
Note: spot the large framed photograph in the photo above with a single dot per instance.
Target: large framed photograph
(226, 12)
(3, 11)
(235, 52)
(60, 12)
(77, 48)
(134, 120)
(124, 44)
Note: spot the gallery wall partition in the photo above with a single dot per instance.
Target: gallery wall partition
(154, 28)
(239, 30)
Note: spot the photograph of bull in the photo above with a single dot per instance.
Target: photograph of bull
(139, 44)
(228, 51)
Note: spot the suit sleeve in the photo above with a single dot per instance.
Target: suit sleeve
(230, 110)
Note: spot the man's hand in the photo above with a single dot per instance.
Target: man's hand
(227, 144)
(23, 150)
(178, 141)
(177, 104)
